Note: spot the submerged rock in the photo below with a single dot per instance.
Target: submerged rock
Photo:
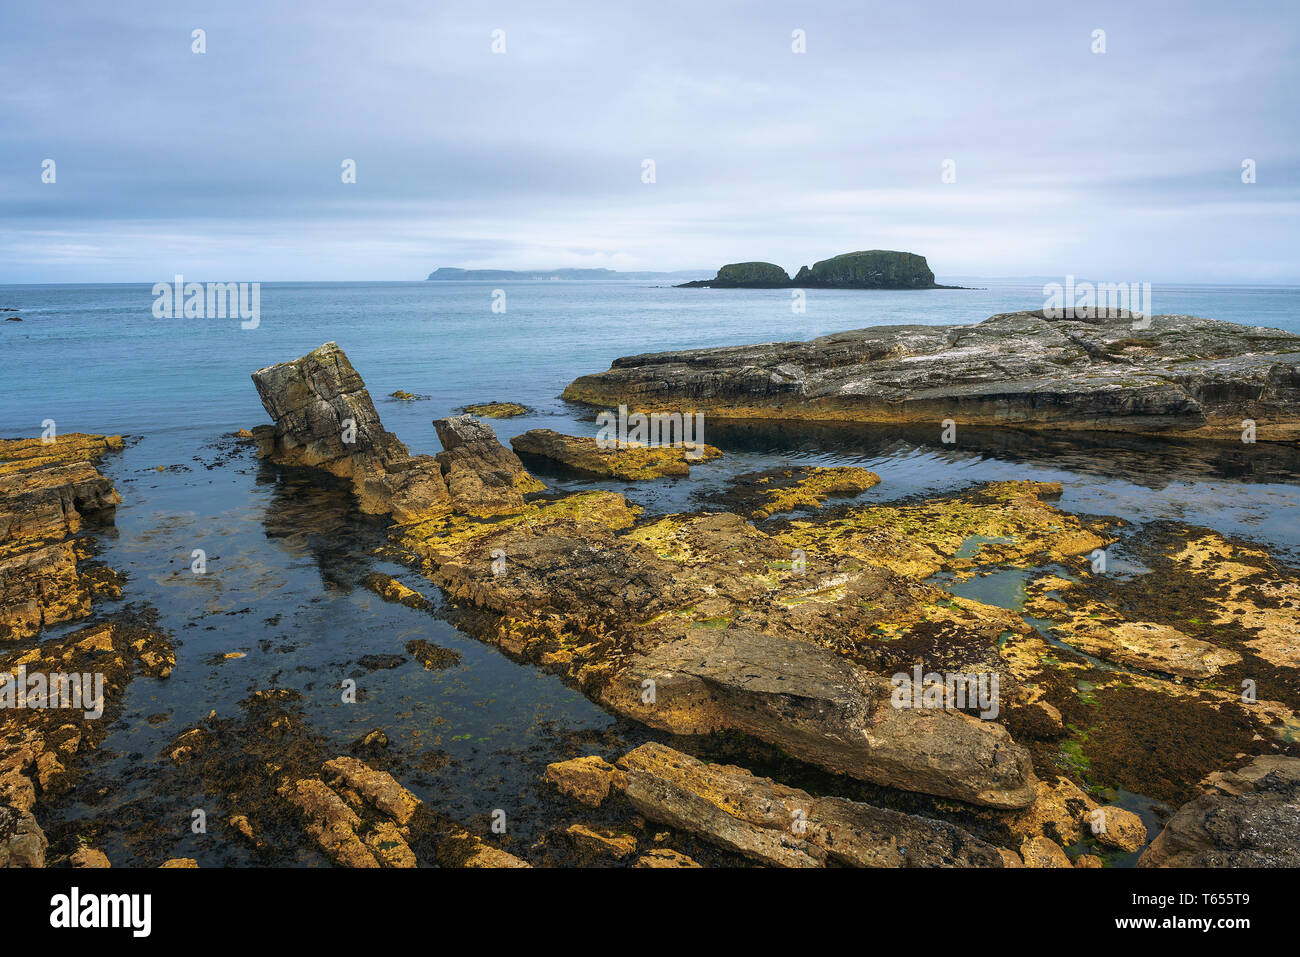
(390, 589)
(630, 463)
(587, 780)
(787, 827)
(496, 410)
(1167, 375)
(433, 657)
(1248, 819)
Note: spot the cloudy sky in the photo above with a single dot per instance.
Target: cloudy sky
(1124, 165)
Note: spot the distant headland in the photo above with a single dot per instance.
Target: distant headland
(452, 273)
(869, 269)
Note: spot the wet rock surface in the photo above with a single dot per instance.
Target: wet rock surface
(631, 463)
(1171, 375)
(784, 826)
(1247, 819)
(49, 492)
(760, 495)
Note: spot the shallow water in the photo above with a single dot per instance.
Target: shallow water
(286, 557)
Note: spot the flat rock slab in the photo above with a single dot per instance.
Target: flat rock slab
(784, 826)
(818, 705)
(1166, 374)
(629, 463)
(1155, 647)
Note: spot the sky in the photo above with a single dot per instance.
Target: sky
(227, 165)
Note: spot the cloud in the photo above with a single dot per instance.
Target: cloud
(228, 163)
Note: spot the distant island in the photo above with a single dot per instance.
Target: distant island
(869, 269)
(454, 274)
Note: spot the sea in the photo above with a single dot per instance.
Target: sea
(286, 557)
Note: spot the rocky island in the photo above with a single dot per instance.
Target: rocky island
(870, 269)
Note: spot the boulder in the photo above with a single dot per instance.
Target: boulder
(818, 705)
(323, 416)
(600, 843)
(784, 826)
(379, 788)
(483, 477)
(1043, 852)
(587, 780)
(1116, 827)
(88, 857)
(22, 842)
(1248, 819)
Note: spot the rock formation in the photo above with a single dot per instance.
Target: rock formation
(873, 269)
(1247, 818)
(1171, 375)
(324, 418)
(784, 826)
(630, 463)
(756, 275)
(483, 476)
(48, 491)
(731, 635)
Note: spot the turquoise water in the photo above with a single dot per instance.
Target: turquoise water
(286, 559)
(95, 359)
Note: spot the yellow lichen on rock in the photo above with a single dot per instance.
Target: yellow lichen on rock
(630, 462)
(1004, 523)
(1255, 595)
(496, 410)
(811, 488)
(451, 536)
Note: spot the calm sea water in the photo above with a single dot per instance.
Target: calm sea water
(286, 560)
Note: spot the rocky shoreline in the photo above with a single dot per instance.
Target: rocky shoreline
(778, 646)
